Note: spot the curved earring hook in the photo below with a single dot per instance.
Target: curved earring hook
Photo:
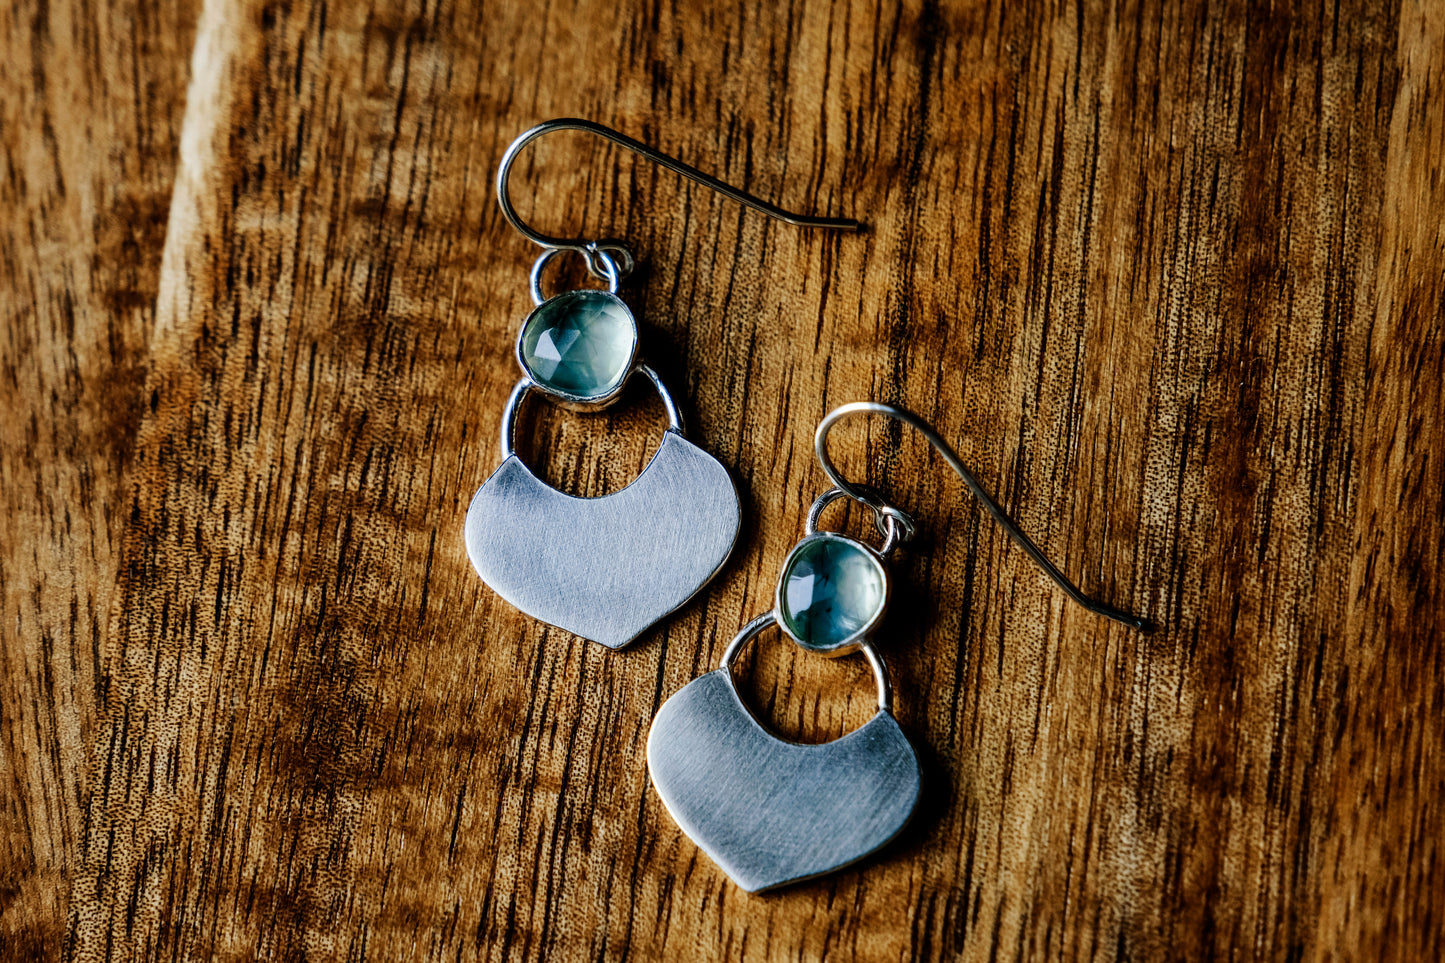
(587, 248)
(820, 443)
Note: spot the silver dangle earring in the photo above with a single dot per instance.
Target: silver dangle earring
(771, 812)
(604, 568)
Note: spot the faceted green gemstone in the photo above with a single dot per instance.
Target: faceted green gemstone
(579, 344)
(831, 588)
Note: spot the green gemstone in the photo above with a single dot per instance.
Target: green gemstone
(832, 587)
(579, 344)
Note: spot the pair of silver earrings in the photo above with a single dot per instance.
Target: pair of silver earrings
(769, 812)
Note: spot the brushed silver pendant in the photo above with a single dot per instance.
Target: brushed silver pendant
(604, 568)
(771, 812)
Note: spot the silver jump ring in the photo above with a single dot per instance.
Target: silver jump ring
(607, 260)
(519, 393)
(612, 274)
(892, 523)
(875, 661)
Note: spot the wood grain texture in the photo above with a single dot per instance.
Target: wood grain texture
(89, 118)
(1172, 280)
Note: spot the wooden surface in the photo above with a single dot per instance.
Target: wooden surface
(1171, 281)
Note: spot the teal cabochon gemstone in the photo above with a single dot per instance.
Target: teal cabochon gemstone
(580, 344)
(831, 588)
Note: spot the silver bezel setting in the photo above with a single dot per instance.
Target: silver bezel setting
(851, 643)
(573, 399)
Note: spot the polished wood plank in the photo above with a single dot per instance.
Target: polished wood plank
(1170, 279)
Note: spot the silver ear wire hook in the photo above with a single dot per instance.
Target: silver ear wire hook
(623, 257)
(864, 496)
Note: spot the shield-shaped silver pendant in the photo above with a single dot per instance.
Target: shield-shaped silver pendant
(771, 812)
